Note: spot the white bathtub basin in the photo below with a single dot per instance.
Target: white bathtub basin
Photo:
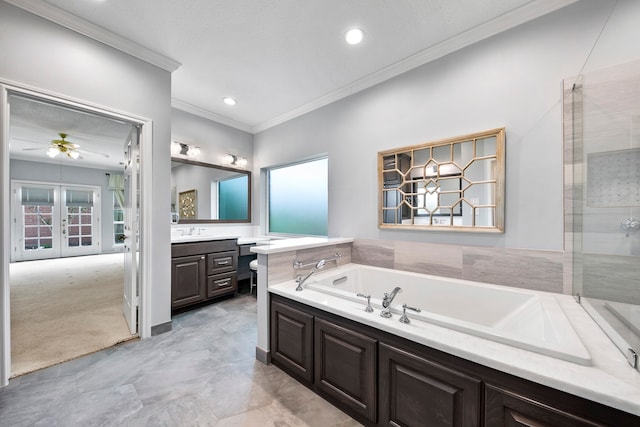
(525, 319)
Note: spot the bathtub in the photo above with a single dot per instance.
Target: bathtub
(528, 320)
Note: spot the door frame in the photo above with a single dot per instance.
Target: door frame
(146, 199)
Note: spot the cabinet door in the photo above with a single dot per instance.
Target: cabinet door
(345, 367)
(292, 341)
(505, 408)
(418, 392)
(188, 277)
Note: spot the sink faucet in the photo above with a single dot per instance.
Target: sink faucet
(387, 300)
(301, 279)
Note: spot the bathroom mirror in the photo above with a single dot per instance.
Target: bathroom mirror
(454, 184)
(207, 193)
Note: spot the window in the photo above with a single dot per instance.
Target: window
(118, 221)
(298, 198)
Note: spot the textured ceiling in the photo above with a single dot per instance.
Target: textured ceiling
(282, 58)
(33, 125)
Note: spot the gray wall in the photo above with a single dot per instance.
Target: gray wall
(35, 52)
(59, 174)
(513, 79)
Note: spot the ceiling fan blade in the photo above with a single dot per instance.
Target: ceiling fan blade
(33, 149)
(106, 156)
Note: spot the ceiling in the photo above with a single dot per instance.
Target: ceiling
(282, 58)
(34, 124)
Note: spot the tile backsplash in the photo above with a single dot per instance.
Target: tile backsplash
(521, 268)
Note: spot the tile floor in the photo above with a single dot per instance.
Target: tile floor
(202, 373)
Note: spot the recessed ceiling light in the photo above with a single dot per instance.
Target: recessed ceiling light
(229, 101)
(354, 36)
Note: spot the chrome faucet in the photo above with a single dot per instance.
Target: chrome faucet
(387, 300)
(300, 280)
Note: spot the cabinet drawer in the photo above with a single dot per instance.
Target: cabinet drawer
(221, 262)
(221, 284)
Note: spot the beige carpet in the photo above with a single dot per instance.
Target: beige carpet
(65, 308)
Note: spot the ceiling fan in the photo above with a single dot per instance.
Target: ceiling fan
(62, 146)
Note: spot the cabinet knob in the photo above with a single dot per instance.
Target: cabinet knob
(202, 257)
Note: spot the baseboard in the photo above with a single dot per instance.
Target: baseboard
(263, 356)
(160, 329)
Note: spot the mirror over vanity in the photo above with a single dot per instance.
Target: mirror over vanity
(207, 193)
(454, 184)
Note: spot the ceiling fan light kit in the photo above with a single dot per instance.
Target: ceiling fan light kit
(62, 146)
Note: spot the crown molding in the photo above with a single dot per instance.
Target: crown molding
(505, 22)
(201, 112)
(95, 32)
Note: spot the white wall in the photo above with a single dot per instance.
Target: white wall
(43, 55)
(61, 174)
(513, 79)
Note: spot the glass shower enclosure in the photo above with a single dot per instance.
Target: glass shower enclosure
(602, 199)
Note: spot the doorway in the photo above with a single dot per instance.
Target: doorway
(69, 224)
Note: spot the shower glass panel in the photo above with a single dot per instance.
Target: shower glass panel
(602, 130)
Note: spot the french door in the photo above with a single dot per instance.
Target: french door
(52, 221)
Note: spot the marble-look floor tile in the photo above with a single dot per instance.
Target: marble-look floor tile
(107, 407)
(27, 403)
(201, 373)
(305, 407)
(191, 410)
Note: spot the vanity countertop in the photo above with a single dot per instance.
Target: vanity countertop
(200, 238)
(293, 244)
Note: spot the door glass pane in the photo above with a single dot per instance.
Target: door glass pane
(37, 231)
(80, 226)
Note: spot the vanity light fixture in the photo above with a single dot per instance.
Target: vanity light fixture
(229, 100)
(234, 160)
(182, 149)
(354, 36)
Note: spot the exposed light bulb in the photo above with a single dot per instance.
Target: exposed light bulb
(52, 152)
(229, 101)
(193, 151)
(73, 154)
(354, 36)
(175, 148)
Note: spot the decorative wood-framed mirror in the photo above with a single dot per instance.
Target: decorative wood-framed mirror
(453, 184)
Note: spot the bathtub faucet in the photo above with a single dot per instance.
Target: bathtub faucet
(320, 265)
(387, 300)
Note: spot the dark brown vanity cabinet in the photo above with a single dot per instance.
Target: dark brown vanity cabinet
(292, 341)
(201, 271)
(507, 408)
(385, 380)
(415, 391)
(345, 367)
(187, 274)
